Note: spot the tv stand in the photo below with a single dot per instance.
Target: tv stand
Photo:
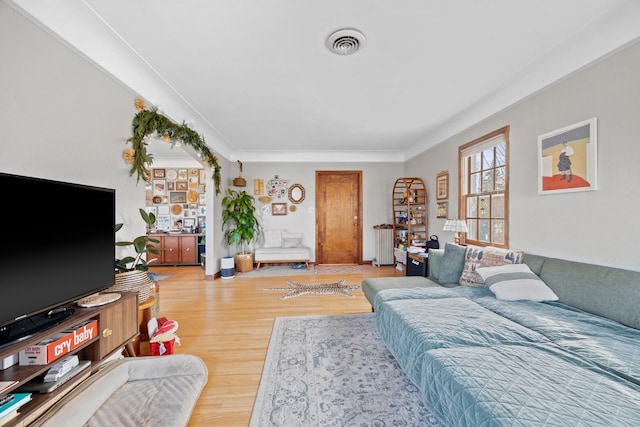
(118, 326)
(23, 328)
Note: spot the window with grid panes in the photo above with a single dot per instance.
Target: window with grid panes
(484, 196)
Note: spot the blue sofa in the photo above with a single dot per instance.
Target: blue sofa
(483, 361)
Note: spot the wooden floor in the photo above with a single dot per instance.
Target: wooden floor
(228, 323)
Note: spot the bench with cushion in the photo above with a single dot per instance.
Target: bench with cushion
(280, 246)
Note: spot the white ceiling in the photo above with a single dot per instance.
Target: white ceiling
(256, 79)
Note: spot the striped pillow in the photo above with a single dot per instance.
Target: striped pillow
(514, 282)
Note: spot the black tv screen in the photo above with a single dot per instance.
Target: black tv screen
(58, 244)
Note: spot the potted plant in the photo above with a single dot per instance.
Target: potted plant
(240, 225)
(131, 272)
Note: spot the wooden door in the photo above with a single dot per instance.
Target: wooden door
(338, 217)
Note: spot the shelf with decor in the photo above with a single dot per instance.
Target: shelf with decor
(409, 206)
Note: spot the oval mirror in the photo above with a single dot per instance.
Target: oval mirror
(296, 193)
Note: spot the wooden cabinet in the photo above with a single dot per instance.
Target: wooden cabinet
(177, 249)
(409, 200)
(117, 326)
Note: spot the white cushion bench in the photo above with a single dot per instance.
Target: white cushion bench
(280, 246)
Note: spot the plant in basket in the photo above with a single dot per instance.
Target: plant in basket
(240, 225)
(131, 271)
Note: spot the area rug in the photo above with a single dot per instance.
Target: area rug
(334, 288)
(334, 371)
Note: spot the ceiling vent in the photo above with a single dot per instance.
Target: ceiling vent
(345, 42)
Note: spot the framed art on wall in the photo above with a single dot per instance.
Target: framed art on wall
(442, 209)
(567, 159)
(442, 185)
(278, 208)
(178, 197)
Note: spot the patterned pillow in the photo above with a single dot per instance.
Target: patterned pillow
(515, 282)
(477, 256)
(272, 238)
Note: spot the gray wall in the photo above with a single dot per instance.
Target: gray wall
(62, 118)
(595, 226)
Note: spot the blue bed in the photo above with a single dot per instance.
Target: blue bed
(480, 361)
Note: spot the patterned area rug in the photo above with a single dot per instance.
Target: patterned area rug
(334, 371)
(334, 288)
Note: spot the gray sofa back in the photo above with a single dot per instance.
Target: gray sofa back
(609, 292)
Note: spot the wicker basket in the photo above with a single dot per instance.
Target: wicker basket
(244, 262)
(133, 281)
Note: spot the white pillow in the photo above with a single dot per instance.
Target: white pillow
(272, 238)
(289, 242)
(513, 282)
(287, 235)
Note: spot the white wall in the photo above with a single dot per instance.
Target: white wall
(377, 186)
(62, 119)
(596, 226)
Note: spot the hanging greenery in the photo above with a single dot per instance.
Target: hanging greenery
(149, 121)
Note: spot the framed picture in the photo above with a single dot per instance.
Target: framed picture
(567, 159)
(158, 173)
(442, 209)
(172, 174)
(193, 182)
(442, 185)
(278, 208)
(163, 210)
(194, 172)
(182, 174)
(202, 199)
(181, 186)
(203, 176)
(178, 197)
(171, 186)
(152, 210)
(159, 187)
(163, 222)
(189, 223)
(202, 210)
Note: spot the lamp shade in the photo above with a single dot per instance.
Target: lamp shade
(457, 225)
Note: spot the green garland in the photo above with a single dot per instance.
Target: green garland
(146, 122)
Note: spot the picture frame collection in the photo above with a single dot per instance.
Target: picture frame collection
(177, 196)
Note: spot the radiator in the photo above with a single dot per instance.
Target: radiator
(384, 247)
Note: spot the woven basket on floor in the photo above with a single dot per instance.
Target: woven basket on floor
(133, 281)
(244, 262)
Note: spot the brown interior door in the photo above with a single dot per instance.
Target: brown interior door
(338, 217)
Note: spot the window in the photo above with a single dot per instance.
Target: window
(484, 189)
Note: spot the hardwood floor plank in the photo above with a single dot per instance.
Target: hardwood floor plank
(228, 324)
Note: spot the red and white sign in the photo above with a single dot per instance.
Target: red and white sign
(59, 344)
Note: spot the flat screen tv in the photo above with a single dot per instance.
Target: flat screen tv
(58, 246)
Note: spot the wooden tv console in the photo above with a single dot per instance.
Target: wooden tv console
(117, 327)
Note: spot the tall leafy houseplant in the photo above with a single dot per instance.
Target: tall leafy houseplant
(239, 222)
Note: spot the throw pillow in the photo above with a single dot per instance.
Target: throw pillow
(286, 234)
(290, 242)
(272, 238)
(476, 257)
(516, 282)
(452, 263)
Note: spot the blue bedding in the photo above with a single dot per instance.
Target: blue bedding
(479, 361)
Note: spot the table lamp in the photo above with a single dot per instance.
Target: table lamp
(457, 225)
